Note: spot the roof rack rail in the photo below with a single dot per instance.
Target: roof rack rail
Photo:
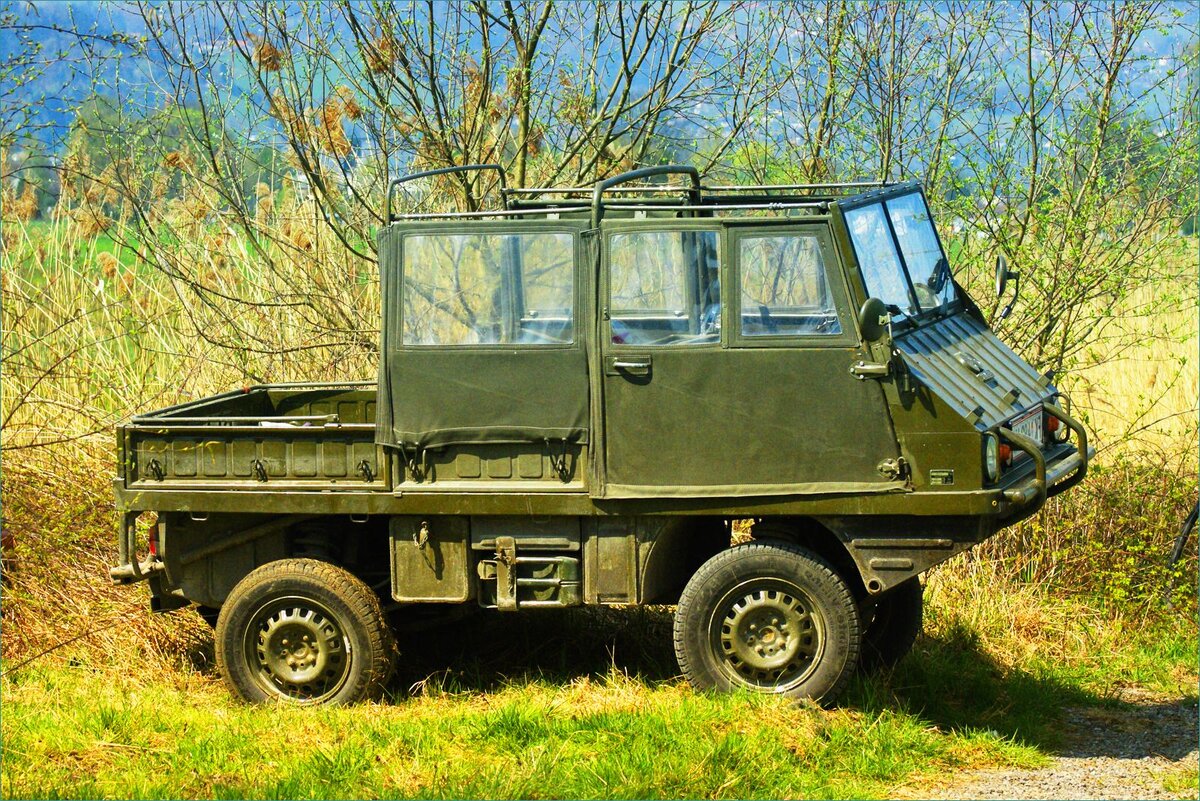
(507, 212)
(795, 187)
(587, 190)
(403, 179)
(519, 202)
(636, 175)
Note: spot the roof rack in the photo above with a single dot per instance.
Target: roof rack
(796, 187)
(526, 201)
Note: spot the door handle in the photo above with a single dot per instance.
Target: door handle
(629, 365)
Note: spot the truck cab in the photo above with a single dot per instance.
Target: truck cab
(579, 394)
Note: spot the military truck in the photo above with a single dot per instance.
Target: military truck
(580, 393)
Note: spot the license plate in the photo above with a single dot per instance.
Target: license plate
(1029, 426)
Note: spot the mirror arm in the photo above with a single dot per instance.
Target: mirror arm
(1016, 282)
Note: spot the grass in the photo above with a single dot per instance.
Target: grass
(615, 739)
(1182, 782)
(1145, 394)
(574, 703)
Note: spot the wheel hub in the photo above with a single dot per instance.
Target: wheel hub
(769, 636)
(298, 651)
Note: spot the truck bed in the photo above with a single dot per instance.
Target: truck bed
(281, 436)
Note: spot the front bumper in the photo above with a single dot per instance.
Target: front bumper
(1027, 496)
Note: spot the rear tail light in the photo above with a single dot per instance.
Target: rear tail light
(152, 541)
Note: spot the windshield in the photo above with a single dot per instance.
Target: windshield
(902, 261)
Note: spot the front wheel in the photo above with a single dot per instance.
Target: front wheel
(306, 632)
(769, 617)
(892, 624)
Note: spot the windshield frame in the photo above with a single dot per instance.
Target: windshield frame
(880, 198)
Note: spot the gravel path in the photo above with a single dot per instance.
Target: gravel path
(1119, 753)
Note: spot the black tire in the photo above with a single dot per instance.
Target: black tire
(208, 614)
(305, 632)
(770, 617)
(892, 623)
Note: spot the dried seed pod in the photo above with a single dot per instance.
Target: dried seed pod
(108, 264)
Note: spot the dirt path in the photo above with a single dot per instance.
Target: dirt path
(1122, 752)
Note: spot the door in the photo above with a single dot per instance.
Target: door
(484, 373)
(726, 354)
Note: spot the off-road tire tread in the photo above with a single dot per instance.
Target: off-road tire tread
(363, 603)
(843, 597)
(884, 645)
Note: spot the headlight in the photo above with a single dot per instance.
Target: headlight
(991, 456)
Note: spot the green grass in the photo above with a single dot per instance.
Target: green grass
(1181, 782)
(78, 733)
(573, 703)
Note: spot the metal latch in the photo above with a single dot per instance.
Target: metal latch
(864, 370)
(155, 469)
(893, 469)
(974, 365)
(558, 461)
(506, 574)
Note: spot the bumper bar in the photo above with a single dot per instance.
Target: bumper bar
(1048, 480)
(133, 572)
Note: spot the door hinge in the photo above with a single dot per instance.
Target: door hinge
(864, 370)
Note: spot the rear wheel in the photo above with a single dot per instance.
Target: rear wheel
(892, 624)
(769, 617)
(306, 632)
(208, 614)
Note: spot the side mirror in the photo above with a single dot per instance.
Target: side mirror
(873, 320)
(1002, 276)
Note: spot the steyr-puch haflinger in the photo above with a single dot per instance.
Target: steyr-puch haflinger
(578, 394)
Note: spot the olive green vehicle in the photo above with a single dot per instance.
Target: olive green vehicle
(578, 394)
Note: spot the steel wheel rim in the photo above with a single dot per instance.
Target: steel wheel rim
(296, 650)
(767, 635)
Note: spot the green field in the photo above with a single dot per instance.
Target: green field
(569, 704)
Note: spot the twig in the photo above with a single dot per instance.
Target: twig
(55, 647)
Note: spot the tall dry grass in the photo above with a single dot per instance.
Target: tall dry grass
(97, 326)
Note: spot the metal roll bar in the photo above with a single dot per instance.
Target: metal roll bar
(445, 171)
(637, 175)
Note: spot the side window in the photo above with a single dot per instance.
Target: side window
(664, 288)
(784, 289)
(488, 289)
